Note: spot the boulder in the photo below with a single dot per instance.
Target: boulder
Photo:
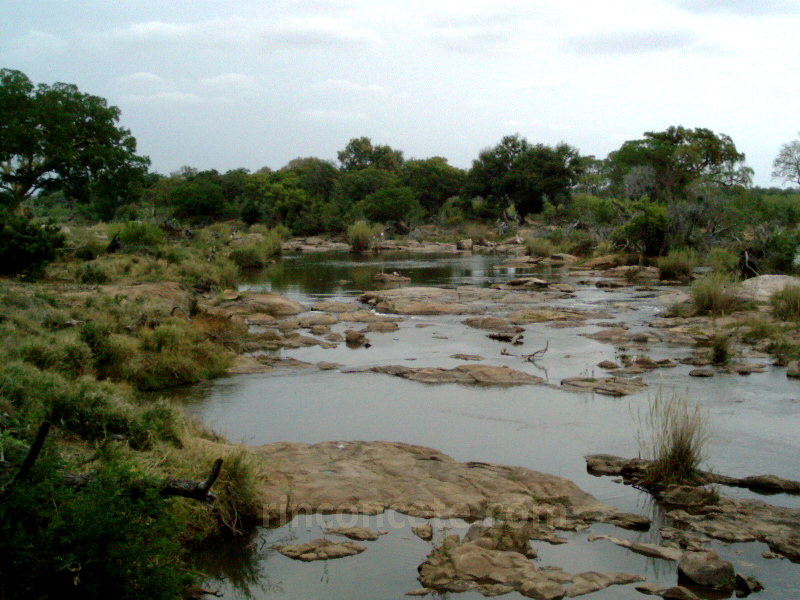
(424, 532)
(355, 339)
(701, 372)
(761, 288)
(706, 570)
(382, 326)
(793, 369)
(465, 244)
(492, 324)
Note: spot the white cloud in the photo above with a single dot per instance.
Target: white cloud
(630, 42)
(142, 82)
(740, 7)
(228, 82)
(348, 87)
(33, 44)
(169, 97)
(238, 32)
(334, 115)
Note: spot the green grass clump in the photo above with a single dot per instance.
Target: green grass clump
(256, 254)
(723, 260)
(359, 236)
(721, 351)
(712, 295)
(536, 246)
(673, 435)
(786, 303)
(91, 273)
(678, 264)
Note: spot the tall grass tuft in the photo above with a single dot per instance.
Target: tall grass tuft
(359, 235)
(712, 295)
(536, 246)
(723, 260)
(786, 303)
(673, 434)
(678, 264)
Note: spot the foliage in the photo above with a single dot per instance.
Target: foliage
(120, 537)
(58, 138)
(722, 260)
(712, 294)
(361, 154)
(786, 303)
(524, 176)
(138, 233)
(391, 204)
(677, 264)
(673, 433)
(677, 158)
(256, 254)
(433, 182)
(360, 235)
(720, 348)
(26, 247)
(786, 165)
(645, 231)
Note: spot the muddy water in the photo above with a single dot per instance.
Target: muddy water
(755, 420)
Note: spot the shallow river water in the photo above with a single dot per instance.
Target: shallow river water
(755, 422)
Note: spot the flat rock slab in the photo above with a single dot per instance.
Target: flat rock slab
(607, 386)
(761, 288)
(370, 477)
(643, 548)
(271, 304)
(320, 550)
(477, 374)
(429, 300)
(360, 534)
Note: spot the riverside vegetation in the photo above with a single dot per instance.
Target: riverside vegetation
(111, 281)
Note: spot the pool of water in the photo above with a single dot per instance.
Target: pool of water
(755, 421)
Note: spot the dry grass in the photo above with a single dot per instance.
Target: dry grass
(786, 303)
(673, 433)
(713, 295)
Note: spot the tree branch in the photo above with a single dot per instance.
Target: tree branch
(30, 459)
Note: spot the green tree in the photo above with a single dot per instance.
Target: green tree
(58, 138)
(516, 173)
(786, 165)
(433, 181)
(316, 176)
(392, 204)
(681, 157)
(361, 154)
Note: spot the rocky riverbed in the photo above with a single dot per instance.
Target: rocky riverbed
(508, 367)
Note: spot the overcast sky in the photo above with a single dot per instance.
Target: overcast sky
(243, 83)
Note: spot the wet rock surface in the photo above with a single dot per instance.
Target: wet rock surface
(607, 386)
(320, 550)
(370, 477)
(468, 374)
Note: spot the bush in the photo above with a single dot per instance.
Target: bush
(673, 434)
(786, 303)
(535, 246)
(720, 348)
(646, 230)
(137, 233)
(255, 255)
(91, 273)
(360, 235)
(678, 264)
(25, 248)
(723, 260)
(712, 295)
(121, 538)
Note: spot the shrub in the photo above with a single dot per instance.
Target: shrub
(581, 243)
(712, 295)
(536, 246)
(723, 260)
(678, 264)
(255, 255)
(359, 235)
(786, 303)
(92, 273)
(25, 248)
(673, 434)
(121, 537)
(720, 348)
(137, 233)
(646, 230)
